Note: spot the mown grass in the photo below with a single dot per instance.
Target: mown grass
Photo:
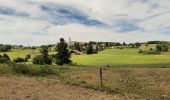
(116, 57)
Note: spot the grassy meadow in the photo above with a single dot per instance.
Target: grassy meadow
(111, 57)
(121, 57)
(15, 53)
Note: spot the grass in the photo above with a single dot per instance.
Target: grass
(135, 75)
(15, 53)
(30, 70)
(109, 57)
(137, 83)
(121, 57)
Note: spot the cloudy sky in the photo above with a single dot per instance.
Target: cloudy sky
(37, 22)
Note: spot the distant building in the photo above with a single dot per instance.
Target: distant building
(18, 46)
(71, 42)
(75, 52)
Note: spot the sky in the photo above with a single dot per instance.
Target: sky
(37, 22)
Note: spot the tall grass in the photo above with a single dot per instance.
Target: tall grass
(35, 70)
(5, 69)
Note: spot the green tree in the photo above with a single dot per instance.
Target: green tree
(6, 57)
(5, 48)
(27, 57)
(159, 47)
(105, 45)
(162, 47)
(77, 46)
(45, 56)
(63, 55)
(89, 49)
(124, 44)
(100, 47)
(165, 48)
(97, 47)
(19, 60)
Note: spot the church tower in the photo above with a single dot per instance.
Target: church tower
(69, 40)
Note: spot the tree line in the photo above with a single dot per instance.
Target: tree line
(63, 51)
(5, 48)
(157, 50)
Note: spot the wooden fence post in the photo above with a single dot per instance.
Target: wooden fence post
(101, 77)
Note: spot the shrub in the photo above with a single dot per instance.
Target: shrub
(155, 51)
(140, 51)
(47, 61)
(5, 56)
(40, 60)
(18, 60)
(162, 47)
(43, 58)
(23, 69)
(4, 59)
(159, 47)
(59, 62)
(27, 57)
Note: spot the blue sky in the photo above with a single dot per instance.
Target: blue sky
(37, 22)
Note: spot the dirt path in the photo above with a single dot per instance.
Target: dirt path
(24, 88)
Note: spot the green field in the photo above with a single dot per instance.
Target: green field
(120, 57)
(15, 53)
(106, 57)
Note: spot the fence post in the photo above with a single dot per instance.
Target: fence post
(101, 77)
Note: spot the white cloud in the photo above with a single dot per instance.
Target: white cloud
(151, 15)
(85, 33)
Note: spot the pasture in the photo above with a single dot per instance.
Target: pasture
(15, 53)
(121, 57)
(111, 57)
